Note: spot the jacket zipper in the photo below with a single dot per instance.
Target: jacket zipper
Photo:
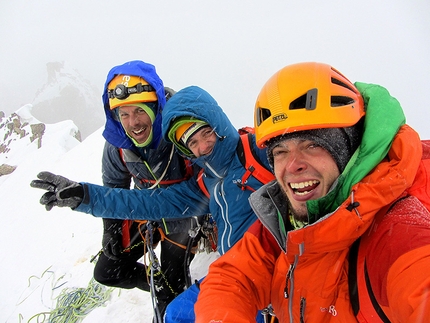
(302, 309)
(289, 287)
(287, 281)
(224, 212)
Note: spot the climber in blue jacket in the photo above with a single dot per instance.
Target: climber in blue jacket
(222, 176)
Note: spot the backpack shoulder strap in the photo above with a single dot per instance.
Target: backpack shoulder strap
(364, 304)
(252, 163)
(121, 155)
(201, 183)
(249, 160)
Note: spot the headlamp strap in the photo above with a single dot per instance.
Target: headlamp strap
(122, 92)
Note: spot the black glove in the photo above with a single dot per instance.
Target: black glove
(112, 238)
(61, 191)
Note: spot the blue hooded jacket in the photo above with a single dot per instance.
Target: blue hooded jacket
(228, 203)
(114, 132)
(146, 164)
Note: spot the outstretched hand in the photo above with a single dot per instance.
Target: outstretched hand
(62, 192)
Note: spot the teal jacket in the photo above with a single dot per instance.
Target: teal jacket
(228, 203)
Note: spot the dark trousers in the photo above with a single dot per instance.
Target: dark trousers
(128, 273)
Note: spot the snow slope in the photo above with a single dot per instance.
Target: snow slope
(41, 252)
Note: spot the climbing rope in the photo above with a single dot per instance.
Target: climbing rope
(74, 304)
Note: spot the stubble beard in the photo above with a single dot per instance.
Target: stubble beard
(299, 215)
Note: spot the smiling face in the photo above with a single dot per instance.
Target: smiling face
(305, 171)
(136, 122)
(202, 142)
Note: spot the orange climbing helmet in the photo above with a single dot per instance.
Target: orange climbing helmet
(305, 96)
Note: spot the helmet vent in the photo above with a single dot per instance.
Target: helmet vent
(340, 83)
(339, 101)
(262, 114)
(307, 101)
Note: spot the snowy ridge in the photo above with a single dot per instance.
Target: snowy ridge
(67, 95)
(61, 75)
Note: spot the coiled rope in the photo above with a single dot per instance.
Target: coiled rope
(74, 304)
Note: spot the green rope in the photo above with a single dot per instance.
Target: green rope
(76, 303)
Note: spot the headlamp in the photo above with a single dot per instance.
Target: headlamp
(122, 92)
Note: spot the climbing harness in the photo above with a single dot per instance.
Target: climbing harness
(155, 270)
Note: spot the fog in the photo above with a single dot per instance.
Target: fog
(230, 48)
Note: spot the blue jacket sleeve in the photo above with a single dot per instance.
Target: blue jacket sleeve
(180, 200)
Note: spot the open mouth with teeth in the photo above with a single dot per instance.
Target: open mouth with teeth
(304, 188)
(138, 132)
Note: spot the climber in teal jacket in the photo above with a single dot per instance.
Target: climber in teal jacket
(223, 171)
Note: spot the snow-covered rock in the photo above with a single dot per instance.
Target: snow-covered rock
(68, 96)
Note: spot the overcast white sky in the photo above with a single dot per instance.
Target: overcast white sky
(230, 48)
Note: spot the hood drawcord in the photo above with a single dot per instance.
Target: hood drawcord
(164, 172)
(221, 138)
(353, 205)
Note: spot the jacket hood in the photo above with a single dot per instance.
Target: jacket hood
(195, 103)
(383, 119)
(114, 132)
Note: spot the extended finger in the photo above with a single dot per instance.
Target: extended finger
(48, 177)
(42, 185)
(47, 198)
(49, 206)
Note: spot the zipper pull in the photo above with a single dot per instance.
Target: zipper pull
(287, 281)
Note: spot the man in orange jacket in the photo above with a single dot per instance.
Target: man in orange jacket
(344, 231)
